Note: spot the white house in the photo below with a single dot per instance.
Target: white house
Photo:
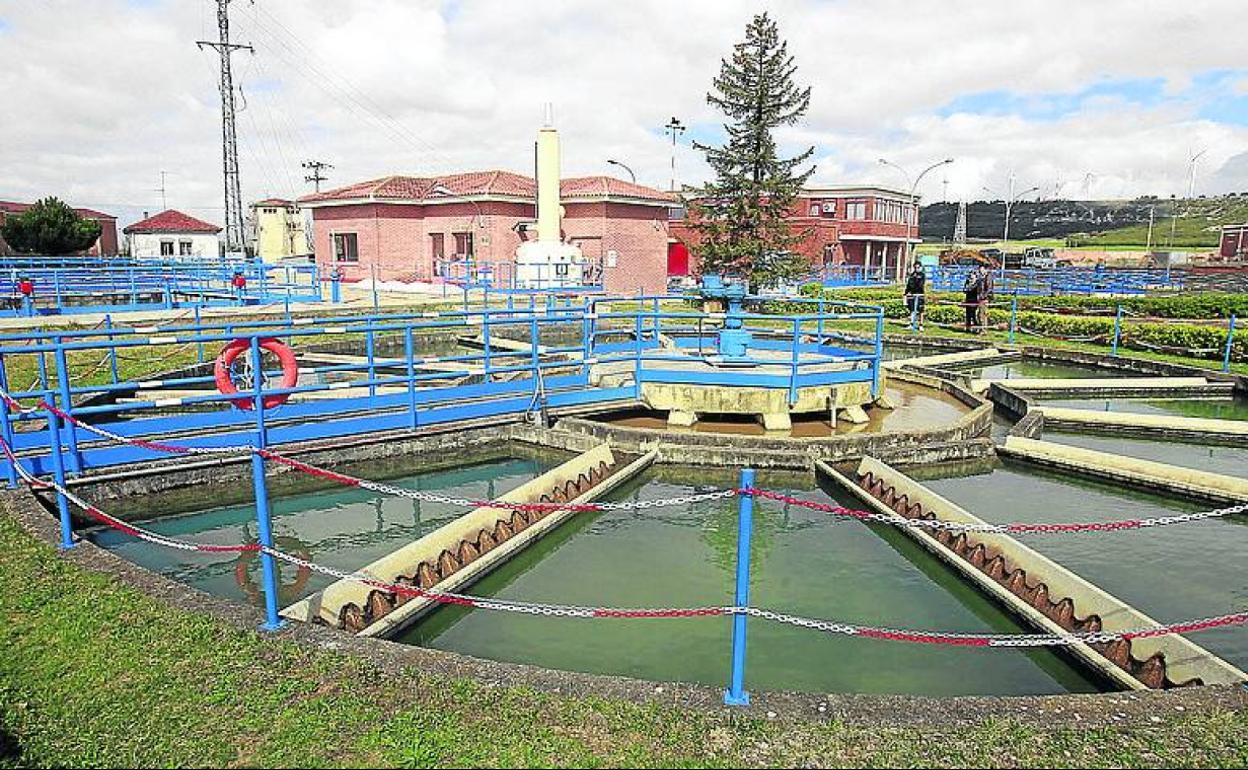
(172, 234)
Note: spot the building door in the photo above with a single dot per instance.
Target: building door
(677, 259)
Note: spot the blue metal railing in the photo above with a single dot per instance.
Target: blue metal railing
(379, 391)
(1063, 280)
(71, 285)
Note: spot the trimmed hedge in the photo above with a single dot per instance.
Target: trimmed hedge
(1193, 340)
(1187, 305)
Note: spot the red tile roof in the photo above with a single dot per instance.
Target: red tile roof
(172, 222)
(488, 184)
(12, 207)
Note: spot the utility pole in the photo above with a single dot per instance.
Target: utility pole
(316, 177)
(675, 128)
(234, 233)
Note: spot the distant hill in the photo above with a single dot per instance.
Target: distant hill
(1092, 223)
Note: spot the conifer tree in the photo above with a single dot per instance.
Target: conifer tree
(49, 227)
(740, 218)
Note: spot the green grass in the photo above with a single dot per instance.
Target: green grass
(96, 674)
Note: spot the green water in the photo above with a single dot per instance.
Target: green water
(1214, 408)
(1232, 461)
(1042, 369)
(1171, 573)
(340, 528)
(803, 562)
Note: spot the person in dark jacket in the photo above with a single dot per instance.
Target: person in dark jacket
(987, 288)
(915, 295)
(970, 291)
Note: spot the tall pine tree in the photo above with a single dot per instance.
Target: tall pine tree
(740, 218)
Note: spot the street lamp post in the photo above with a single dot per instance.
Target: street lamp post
(1010, 200)
(631, 175)
(675, 128)
(912, 218)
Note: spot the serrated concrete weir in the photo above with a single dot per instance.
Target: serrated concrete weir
(465, 549)
(1039, 590)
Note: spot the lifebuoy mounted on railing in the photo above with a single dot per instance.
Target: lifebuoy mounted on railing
(225, 380)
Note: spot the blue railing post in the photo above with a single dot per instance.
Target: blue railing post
(820, 325)
(1117, 331)
(112, 349)
(6, 429)
(268, 564)
(736, 695)
(485, 344)
(797, 336)
(370, 347)
(1230, 343)
(67, 404)
(335, 287)
(879, 353)
(637, 356)
(1013, 316)
(409, 352)
(199, 352)
(58, 475)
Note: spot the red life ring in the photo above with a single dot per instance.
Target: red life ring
(287, 592)
(225, 383)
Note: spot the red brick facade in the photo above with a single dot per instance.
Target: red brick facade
(396, 223)
(843, 226)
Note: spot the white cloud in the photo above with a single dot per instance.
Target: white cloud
(104, 95)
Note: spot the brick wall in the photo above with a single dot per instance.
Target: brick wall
(396, 238)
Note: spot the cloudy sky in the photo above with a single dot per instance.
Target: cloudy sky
(1083, 99)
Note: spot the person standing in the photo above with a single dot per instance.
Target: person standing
(970, 299)
(916, 295)
(987, 289)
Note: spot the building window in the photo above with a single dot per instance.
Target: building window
(184, 248)
(346, 247)
(829, 208)
(437, 245)
(856, 210)
(814, 209)
(463, 245)
(166, 248)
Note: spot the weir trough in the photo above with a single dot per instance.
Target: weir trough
(1111, 387)
(1039, 590)
(464, 550)
(1204, 485)
(957, 360)
(1146, 425)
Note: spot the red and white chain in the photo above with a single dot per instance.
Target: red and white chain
(898, 520)
(578, 611)
(681, 500)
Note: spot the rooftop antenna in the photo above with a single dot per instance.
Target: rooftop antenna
(164, 205)
(234, 233)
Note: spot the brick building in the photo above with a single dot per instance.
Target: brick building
(1234, 244)
(843, 225)
(104, 246)
(403, 227)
